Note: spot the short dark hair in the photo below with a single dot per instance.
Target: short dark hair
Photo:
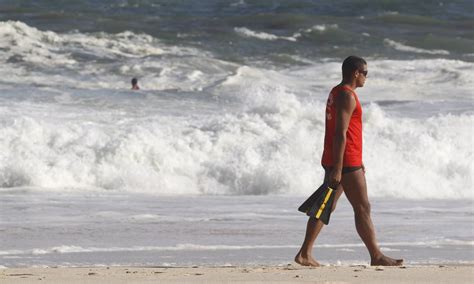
(134, 81)
(351, 64)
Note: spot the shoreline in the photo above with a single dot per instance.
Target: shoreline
(291, 273)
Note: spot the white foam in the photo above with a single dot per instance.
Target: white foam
(345, 250)
(418, 158)
(180, 247)
(47, 47)
(145, 217)
(261, 35)
(126, 43)
(67, 249)
(394, 80)
(406, 48)
(387, 249)
(273, 146)
(322, 28)
(441, 242)
(29, 44)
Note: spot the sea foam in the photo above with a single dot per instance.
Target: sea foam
(272, 147)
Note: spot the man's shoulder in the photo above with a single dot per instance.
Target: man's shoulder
(340, 89)
(343, 94)
(344, 98)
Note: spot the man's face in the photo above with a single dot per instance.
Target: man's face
(361, 76)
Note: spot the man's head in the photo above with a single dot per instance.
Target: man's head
(134, 81)
(354, 68)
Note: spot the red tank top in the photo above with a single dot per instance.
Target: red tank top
(353, 149)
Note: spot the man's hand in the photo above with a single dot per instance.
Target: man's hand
(335, 178)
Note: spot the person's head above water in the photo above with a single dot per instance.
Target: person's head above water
(135, 84)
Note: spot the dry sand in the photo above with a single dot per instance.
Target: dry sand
(260, 274)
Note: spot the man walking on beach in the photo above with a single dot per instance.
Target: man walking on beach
(342, 162)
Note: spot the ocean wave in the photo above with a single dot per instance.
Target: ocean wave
(272, 147)
(405, 48)
(180, 247)
(322, 28)
(100, 61)
(65, 249)
(319, 29)
(92, 60)
(46, 47)
(261, 35)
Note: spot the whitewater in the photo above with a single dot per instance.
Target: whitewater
(204, 126)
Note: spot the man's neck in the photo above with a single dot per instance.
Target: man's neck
(349, 83)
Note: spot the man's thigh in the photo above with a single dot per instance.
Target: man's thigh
(355, 187)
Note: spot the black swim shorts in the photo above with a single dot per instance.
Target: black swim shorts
(345, 170)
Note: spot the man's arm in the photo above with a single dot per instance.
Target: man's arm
(345, 104)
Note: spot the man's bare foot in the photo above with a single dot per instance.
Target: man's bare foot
(306, 261)
(386, 261)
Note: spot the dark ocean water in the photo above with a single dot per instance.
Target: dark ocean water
(308, 29)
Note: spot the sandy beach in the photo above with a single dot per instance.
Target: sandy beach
(254, 274)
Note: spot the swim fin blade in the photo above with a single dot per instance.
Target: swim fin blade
(319, 204)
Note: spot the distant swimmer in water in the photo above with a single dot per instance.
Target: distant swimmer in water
(135, 84)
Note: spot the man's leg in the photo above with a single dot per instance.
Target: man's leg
(355, 188)
(304, 256)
